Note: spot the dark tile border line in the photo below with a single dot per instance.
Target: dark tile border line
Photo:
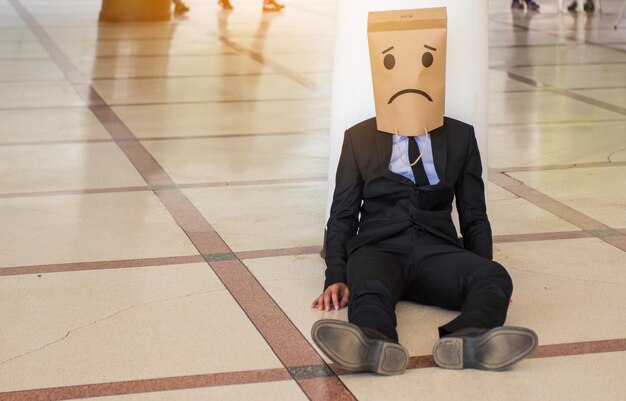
(55, 142)
(557, 167)
(139, 77)
(168, 55)
(88, 191)
(557, 123)
(271, 253)
(212, 184)
(563, 235)
(584, 222)
(304, 99)
(558, 65)
(165, 138)
(147, 385)
(100, 265)
(282, 336)
(241, 135)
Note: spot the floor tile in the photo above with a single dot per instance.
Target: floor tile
(38, 94)
(201, 89)
(29, 70)
(549, 278)
(28, 168)
(124, 324)
(19, 33)
(203, 119)
(265, 217)
(560, 379)
(20, 49)
(499, 81)
(541, 107)
(60, 124)
(509, 215)
(598, 192)
(98, 227)
(244, 158)
(303, 62)
(544, 145)
(287, 390)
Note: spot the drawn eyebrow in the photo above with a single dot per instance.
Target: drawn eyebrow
(385, 51)
(431, 48)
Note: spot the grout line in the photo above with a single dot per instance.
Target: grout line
(555, 123)
(167, 138)
(140, 77)
(282, 336)
(304, 99)
(211, 184)
(557, 167)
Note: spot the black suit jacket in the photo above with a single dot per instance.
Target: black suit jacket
(372, 203)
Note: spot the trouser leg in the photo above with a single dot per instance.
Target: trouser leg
(457, 279)
(376, 280)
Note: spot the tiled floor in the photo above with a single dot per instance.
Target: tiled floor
(163, 191)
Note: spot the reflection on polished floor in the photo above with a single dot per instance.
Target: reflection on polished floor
(163, 193)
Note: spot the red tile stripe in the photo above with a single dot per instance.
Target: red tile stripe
(322, 388)
(100, 265)
(542, 351)
(147, 385)
(590, 225)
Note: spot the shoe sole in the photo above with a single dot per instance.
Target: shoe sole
(346, 345)
(497, 349)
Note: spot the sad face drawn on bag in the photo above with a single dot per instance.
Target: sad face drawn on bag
(389, 61)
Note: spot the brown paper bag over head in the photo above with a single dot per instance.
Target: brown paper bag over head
(408, 60)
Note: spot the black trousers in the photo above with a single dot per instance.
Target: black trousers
(416, 266)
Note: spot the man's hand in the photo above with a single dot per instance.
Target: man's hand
(336, 295)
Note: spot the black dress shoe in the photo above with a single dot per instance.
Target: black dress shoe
(359, 349)
(494, 349)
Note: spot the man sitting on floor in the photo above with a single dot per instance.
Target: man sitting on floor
(390, 235)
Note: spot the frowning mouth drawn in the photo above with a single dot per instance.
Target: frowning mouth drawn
(403, 91)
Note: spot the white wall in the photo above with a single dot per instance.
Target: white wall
(466, 69)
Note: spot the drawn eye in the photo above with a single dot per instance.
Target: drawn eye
(389, 61)
(427, 59)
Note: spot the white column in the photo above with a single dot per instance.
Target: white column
(466, 69)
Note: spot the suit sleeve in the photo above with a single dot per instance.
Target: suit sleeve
(344, 214)
(470, 204)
